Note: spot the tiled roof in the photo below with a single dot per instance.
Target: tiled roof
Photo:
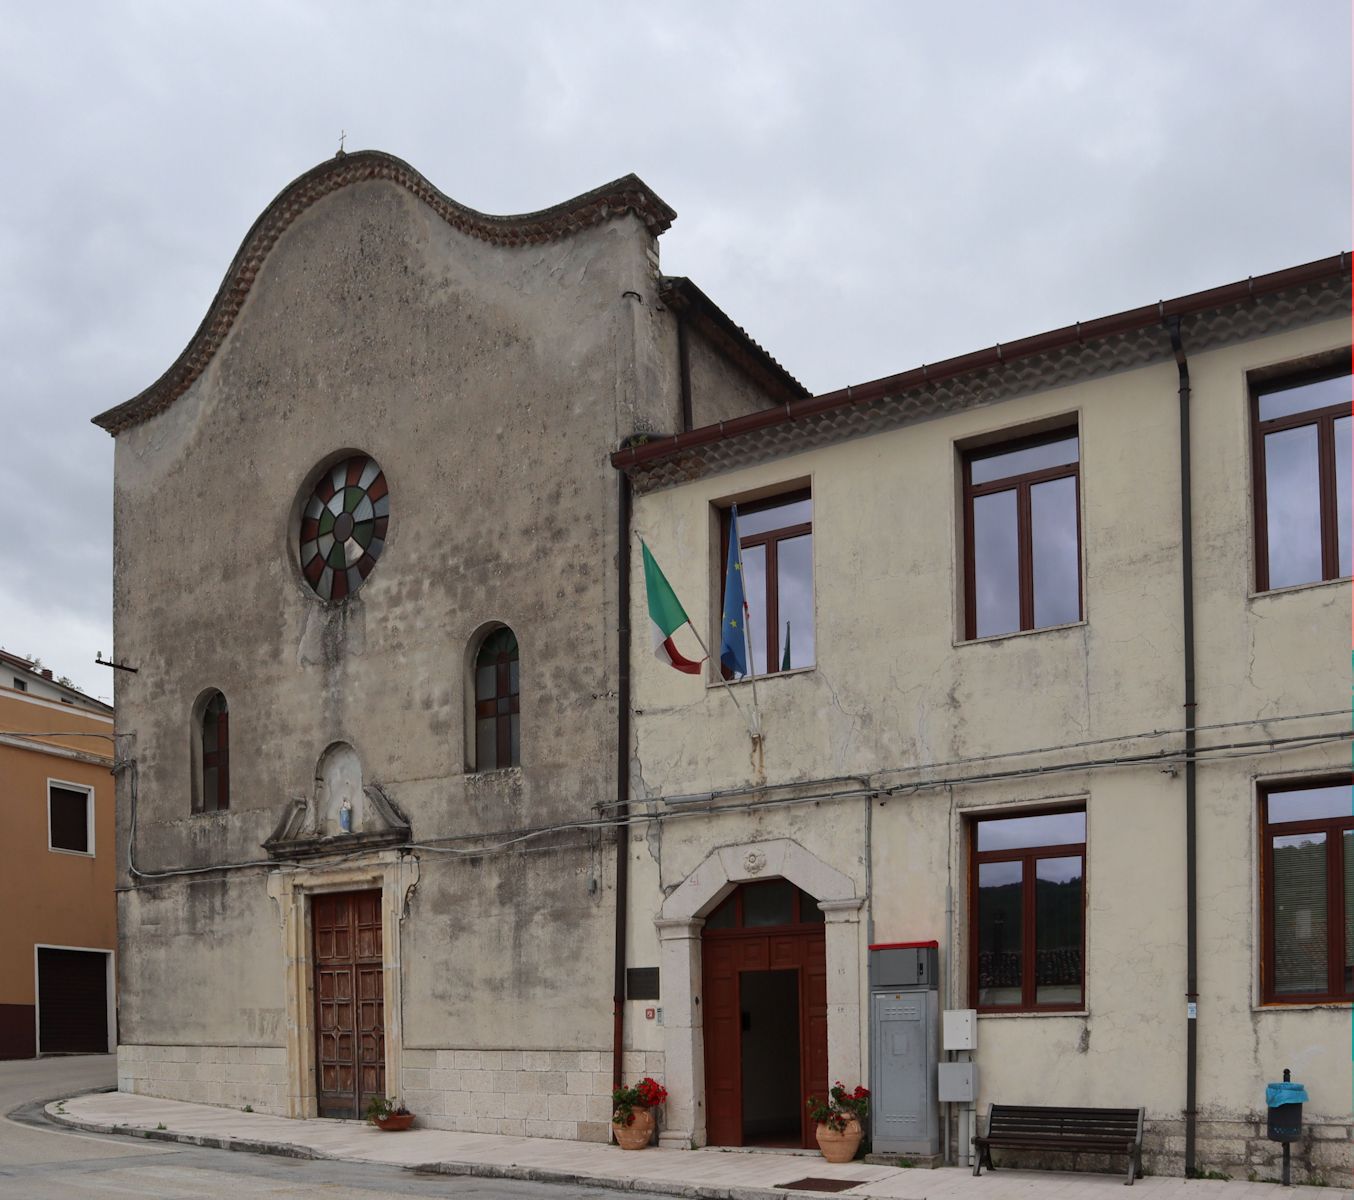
(1235, 312)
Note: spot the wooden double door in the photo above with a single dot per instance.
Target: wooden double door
(765, 1016)
(350, 1051)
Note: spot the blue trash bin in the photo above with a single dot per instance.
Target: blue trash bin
(1285, 1101)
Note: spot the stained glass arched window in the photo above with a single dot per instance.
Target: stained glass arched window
(497, 703)
(343, 527)
(213, 793)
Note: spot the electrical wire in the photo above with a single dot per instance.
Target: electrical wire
(1163, 758)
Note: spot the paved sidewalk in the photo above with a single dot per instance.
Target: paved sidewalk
(709, 1174)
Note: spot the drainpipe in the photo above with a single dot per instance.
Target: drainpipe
(684, 370)
(622, 770)
(1191, 831)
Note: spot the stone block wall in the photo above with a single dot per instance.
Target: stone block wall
(1240, 1149)
(230, 1076)
(522, 1093)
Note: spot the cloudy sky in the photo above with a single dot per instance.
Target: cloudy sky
(864, 186)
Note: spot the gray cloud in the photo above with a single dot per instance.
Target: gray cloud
(864, 187)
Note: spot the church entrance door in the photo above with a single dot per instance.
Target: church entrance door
(349, 1002)
(764, 972)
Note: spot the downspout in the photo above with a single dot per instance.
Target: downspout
(1191, 829)
(684, 369)
(622, 770)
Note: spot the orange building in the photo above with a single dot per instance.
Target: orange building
(59, 935)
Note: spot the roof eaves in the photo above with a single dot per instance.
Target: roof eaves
(680, 294)
(1116, 339)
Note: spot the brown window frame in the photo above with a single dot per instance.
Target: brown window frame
(1334, 828)
(1021, 484)
(218, 758)
(488, 708)
(1324, 419)
(771, 539)
(1029, 978)
(735, 902)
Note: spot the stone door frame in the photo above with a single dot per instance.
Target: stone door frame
(679, 924)
(394, 875)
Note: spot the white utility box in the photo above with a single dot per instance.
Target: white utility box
(959, 1029)
(958, 1082)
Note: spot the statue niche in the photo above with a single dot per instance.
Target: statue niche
(341, 813)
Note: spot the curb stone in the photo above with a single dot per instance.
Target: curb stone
(658, 1187)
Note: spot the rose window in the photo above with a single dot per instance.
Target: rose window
(343, 527)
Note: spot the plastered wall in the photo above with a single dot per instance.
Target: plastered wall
(897, 693)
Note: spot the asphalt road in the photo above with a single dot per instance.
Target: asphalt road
(43, 1161)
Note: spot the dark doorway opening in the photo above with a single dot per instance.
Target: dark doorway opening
(764, 1015)
(72, 1001)
(769, 1001)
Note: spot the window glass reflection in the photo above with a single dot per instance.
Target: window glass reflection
(1000, 935)
(754, 592)
(794, 570)
(1304, 398)
(1311, 804)
(1300, 913)
(1053, 529)
(779, 516)
(1293, 506)
(1057, 929)
(1004, 464)
(996, 564)
(1019, 833)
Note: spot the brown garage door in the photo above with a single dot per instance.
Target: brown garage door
(72, 1002)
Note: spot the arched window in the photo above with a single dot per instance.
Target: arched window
(497, 723)
(213, 781)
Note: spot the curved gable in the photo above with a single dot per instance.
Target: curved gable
(627, 194)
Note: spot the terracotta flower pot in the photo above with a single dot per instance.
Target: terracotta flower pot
(395, 1123)
(839, 1147)
(638, 1133)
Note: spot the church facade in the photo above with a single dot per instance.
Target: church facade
(407, 807)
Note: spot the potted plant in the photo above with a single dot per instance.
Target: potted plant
(388, 1114)
(632, 1112)
(840, 1119)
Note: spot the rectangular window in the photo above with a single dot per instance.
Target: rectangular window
(20, 685)
(1022, 534)
(70, 817)
(1302, 432)
(776, 539)
(1307, 892)
(1027, 906)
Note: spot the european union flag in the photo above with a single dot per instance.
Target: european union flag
(733, 644)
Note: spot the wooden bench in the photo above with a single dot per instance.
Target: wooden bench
(1069, 1130)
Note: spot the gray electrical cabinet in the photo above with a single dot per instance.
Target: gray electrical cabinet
(904, 1048)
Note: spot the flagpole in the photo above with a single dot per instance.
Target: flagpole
(732, 695)
(747, 638)
(700, 641)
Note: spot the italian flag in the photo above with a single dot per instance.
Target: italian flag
(666, 616)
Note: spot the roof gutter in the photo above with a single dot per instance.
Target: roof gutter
(1131, 321)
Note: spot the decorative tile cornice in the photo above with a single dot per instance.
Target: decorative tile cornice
(628, 194)
(985, 377)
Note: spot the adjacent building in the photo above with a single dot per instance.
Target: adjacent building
(58, 943)
(1049, 646)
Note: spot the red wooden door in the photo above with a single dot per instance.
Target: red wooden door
(349, 1002)
(729, 946)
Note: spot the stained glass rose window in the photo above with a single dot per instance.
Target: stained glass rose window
(343, 527)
